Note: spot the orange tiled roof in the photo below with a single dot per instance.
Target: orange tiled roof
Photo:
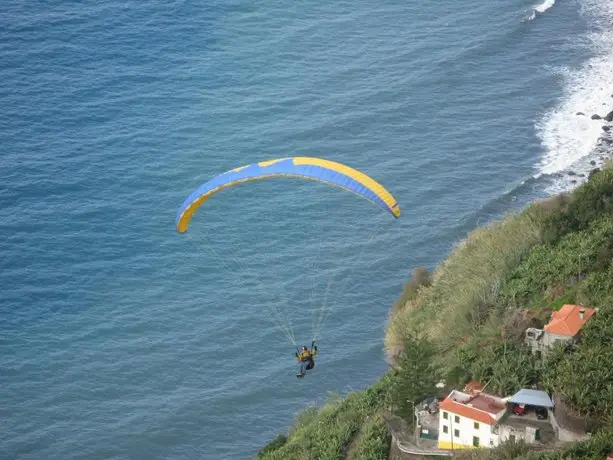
(478, 415)
(567, 321)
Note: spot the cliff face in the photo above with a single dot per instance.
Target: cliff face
(510, 276)
(467, 319)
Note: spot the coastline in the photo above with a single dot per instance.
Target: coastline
(604, 154)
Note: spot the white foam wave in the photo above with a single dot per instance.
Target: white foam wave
(544, 6)
(569, 139)
(540, 8)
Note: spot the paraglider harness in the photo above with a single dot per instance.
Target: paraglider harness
(311, 358)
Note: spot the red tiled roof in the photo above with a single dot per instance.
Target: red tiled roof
(482, 409)
(567, 320)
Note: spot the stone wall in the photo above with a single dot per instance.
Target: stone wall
(563, 434)
(566, 419)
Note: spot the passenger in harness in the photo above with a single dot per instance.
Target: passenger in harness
(306, 358)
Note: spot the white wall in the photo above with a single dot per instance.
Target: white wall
(525, 433)
(549, 339)
(466, 428)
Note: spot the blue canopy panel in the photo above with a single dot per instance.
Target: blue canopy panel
(330, 172)
(531, 398)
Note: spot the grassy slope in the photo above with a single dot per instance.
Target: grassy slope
(473, 311)
(596, 448)
(328, 432)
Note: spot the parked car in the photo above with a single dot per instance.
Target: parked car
(541, 413)
(519, 409)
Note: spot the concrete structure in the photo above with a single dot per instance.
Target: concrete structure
(564, 326)
(527, 433)
(526, 428)
(564, 434)
(403, 444)
(426, 414)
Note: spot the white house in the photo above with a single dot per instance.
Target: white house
(468, 420)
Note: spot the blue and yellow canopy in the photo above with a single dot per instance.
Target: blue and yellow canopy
(318, 169)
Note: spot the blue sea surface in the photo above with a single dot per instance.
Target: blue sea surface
(121, 338)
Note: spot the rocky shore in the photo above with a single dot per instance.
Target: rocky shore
(604, 148)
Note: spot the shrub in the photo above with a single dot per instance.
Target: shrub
(550, 267)
(588, 202)
(503, 364)
(595, 448)
(420, 277)
(327, 432)
(583, 375)
(506, 451)
(373, 442)
(275, 444)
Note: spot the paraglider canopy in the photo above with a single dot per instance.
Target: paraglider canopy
(318, 261)
(330, 172)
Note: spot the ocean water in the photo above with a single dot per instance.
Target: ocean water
(121, 339)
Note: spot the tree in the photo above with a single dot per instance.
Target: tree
(415, 376)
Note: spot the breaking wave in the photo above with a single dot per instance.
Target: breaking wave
(540, 8)
(544, 6)
(568, 134)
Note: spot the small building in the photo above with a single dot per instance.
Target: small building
(467, 420)
(473, 420)
(564, 326)
(514, 431)
(426, 414)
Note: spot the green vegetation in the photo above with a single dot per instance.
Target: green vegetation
(507, 451)
(511, 275)
(595, 448)
(341, 427)
(373, 442)
(415, 377)
(467, 320)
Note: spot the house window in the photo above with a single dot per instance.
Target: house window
(476, 425)
(475, 441)
(445, 415)
(456, 433)
(457, 419)
(445, 429)
(491, 442)
(512, 438)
